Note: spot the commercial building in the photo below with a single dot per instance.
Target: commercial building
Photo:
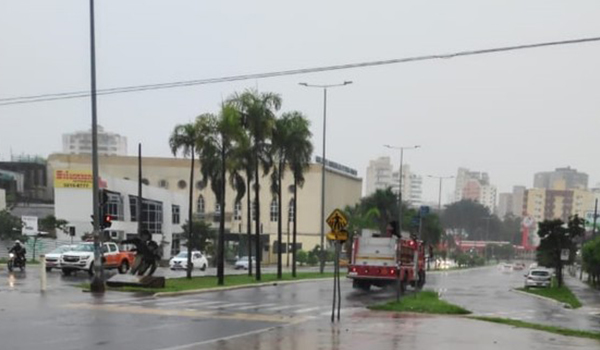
(561, 178)
(543, 204)
(475, 186)
(343, 188)
(380, 175)
(161, 215)
(109, 144)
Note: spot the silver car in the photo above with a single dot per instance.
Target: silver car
(242, 263)
(538, 278)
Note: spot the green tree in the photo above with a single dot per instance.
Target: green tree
(302, 257)
(10, 226)
(590, 254)
(291, 146)
(50, 224)
(554, 237)
(258, 115)
(471, 218)
(184, 138)
(217, 139)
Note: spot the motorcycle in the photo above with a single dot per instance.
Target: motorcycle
(15, 261)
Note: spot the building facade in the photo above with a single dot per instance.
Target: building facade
(561, 179)
(25, 179)
(379, 175)
(342, 188)
(109, 143)
(475, 186)
(543, 204)
(163, 210)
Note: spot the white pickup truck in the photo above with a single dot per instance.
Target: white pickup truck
(82, 258)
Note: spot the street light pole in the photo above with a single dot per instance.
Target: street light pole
(323, 160)
(440, 190)
(401, 149)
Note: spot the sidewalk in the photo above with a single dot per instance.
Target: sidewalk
(589, 297)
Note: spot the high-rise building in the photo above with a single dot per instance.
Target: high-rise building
(543, 204)
(379, 175)
(505, 204)
(518, 194)
(109, 144)
(561, 179)
(475, 186)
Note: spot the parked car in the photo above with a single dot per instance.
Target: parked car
(242, 263)
(519, 266)
(82, 258)
(538, 278)
(53, 258)
(179, 262)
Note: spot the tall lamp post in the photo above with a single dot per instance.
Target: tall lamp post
(97, 284)
(401, 149)
(324, 87)
(440, 191)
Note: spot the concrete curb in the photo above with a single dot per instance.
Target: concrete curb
(565, 305)
(242, 286)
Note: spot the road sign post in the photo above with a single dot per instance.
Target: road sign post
(337, 221)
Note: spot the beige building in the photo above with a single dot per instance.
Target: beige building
(543, 204)
(342, 188)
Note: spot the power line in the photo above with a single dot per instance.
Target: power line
(171, 85)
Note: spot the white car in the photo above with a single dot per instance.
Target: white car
(538, 278)
(242, 263)
(179, 262)
(53, 258)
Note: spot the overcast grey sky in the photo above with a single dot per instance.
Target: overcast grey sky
(510, 114)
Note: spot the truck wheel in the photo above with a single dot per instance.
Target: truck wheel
(124, 267)
(91, 270)
(48, 269)
(66, 272)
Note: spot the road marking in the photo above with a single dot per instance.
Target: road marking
(187, 301)
(227, 305)
(278, 308)
(309, 309)
(255, 306)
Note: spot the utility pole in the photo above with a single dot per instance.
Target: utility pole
(97, 284)
(323, 165)
(440, 190)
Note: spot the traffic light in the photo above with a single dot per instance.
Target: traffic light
(106, 222)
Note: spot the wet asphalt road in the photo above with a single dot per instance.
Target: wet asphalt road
(65, 318)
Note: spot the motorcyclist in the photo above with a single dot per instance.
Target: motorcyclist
(19, 250)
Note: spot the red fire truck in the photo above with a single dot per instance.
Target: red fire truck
(385, 261)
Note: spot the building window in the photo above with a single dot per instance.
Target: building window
(175, 244)
(152, 214)
(274, 210)
(114, 206)
(291, 211)
(175, 212)
(200, 205)
(181, 184)
(237, 211)
(163, 184)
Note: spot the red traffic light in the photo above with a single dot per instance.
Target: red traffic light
(107, 222)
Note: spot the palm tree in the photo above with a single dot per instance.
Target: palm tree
(218, 136)
(184, 138)
(299, 150)
(258, 115)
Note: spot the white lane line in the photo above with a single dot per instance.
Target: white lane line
(255, 306)
(308, 309)
(226, 305)
(278, 308)
(196, 302)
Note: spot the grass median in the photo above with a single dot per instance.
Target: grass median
(562, 294)
(206, 282)
(540, 327)
(422, 302)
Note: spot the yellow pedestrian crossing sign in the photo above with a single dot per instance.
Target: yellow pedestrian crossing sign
(337, 222)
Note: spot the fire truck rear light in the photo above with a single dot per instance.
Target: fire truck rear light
(366, 270)
(392, 272)
(353, 269)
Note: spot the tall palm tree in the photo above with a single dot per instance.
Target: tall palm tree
(258, 115)
(184, 138)
(299, 150)
(217, 140)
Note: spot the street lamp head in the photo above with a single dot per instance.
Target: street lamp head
(417, 146)
(347, 82)
(303, 84)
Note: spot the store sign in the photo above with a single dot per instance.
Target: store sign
(75, 179)
(30, 225)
